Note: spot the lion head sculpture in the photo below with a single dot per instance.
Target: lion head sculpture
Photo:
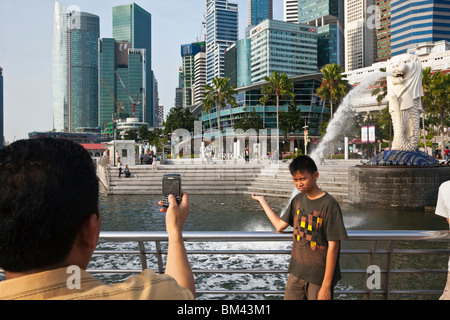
(405, 80)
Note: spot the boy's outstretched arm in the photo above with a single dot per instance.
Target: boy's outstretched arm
(279, 224)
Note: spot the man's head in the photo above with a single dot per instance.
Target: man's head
(48, 189)
(304, 173)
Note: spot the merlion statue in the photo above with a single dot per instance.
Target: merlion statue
(405, 103)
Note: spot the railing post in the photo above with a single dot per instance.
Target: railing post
(388, 270)
(159, 257)
(142, 255)
(373, 250)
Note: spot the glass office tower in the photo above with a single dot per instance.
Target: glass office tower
(413, 22)
(259, 10)
(328, 17)
(133, 24)
(221, 32)
(75, 69)
(283, 47)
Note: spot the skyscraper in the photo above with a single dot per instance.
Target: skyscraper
(328, 17)
(384, 30)
(1, 109)
(290, 10)
(221, 32)
(75, 69)
(188, 52)
(283, 47)
(199, 77)
(133, 24)
(413, 22)
(360, 35)
(121, 76)
(259, 10)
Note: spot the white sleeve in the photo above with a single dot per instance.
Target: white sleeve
(443, 203)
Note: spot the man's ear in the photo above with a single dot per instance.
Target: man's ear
(89, 231)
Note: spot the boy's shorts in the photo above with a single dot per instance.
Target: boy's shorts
(299, 289)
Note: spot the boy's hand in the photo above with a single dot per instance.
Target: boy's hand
(260, 199)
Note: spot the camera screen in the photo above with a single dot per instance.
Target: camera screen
(171, 186)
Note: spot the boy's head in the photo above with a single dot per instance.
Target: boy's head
(304, 173)
(303, 164)
(48, 188)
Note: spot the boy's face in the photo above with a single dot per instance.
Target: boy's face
(304, 181)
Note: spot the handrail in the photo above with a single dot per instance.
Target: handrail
(375, 237)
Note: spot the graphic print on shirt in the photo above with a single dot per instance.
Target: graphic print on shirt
(306, 226)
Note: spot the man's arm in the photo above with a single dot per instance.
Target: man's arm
(177, 265)
(279, 224)
(330, 265)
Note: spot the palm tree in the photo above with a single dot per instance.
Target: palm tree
(437, 96)
(333, 86)
(281, 86)
(218, 95)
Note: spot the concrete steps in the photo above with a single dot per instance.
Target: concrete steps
(195, 179)
(278, 182)
(234, 179)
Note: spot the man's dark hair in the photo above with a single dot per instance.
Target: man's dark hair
(48, 187)
(302, 164)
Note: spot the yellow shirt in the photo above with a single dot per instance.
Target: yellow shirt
(52, 285)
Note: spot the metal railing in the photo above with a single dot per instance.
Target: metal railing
(372, 240)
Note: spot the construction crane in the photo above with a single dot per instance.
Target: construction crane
(119, 107)
(202, 30)
(134, 102)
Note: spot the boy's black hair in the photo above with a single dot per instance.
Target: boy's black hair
(302, 164)
(48, 187)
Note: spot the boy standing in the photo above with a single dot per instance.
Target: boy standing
(318, 229)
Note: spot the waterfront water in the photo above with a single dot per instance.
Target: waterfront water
(241, 213)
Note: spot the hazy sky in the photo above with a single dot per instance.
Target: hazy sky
(26, 28)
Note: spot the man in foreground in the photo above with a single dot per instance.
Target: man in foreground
(50, 224)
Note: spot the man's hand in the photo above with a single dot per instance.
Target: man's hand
(177, 264)
(176, 214)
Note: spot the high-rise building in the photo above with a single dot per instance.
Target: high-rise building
(414, 22)
(259, 10)
(122, 81)
(238, 63)
(384, 30)
(1, 110)
(283, 47)
(188, 53)
(290, 10)
(360, 35)
(75, 69)
(328, 17)
(221, 32)
(133, 24)
(199, 77)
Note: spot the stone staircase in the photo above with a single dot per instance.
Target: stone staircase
(275, 181)
(195, 179)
